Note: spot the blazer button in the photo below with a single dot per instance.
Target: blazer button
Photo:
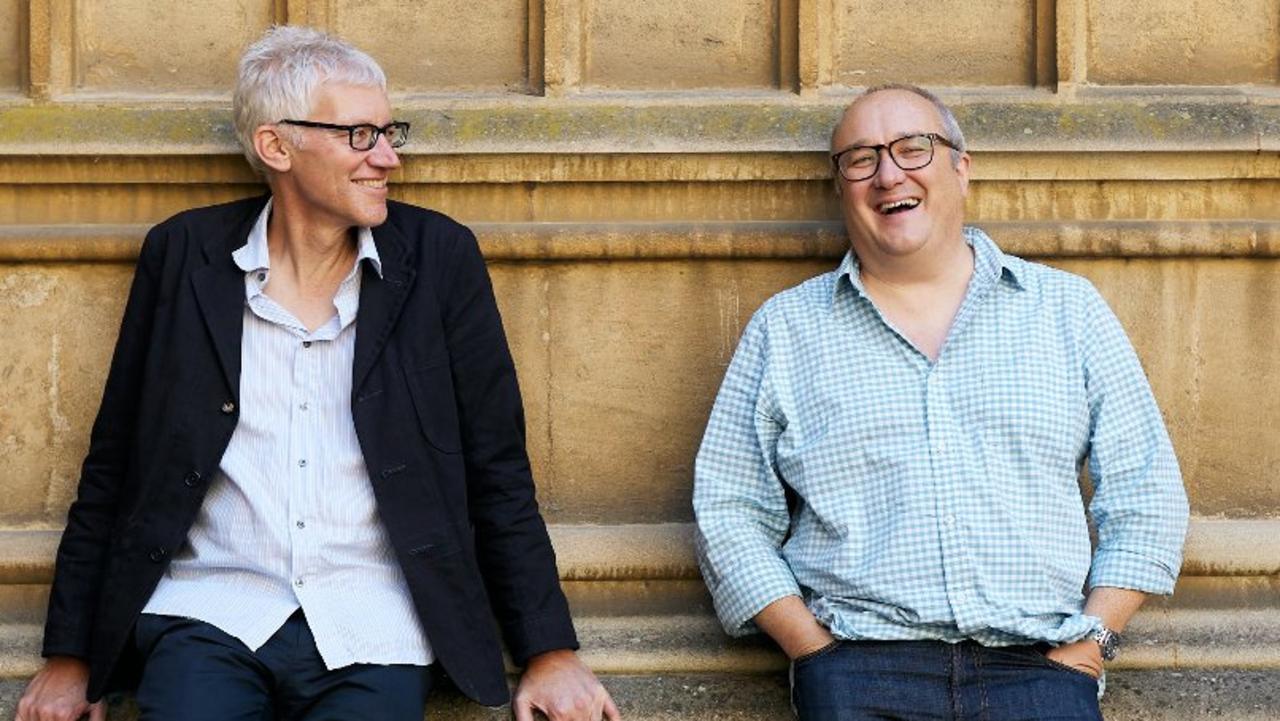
(228, 407)
(192, 479)
(158, 554)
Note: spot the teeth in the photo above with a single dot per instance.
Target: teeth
(371, 183)
(905, 204)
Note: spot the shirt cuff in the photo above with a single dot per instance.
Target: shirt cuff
(1126, 569)
(747, 588)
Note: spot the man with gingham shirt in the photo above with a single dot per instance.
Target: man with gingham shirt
(888, 484)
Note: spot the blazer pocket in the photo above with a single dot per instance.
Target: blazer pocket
(431, 389)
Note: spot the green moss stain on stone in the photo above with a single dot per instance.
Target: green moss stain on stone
(649, 124)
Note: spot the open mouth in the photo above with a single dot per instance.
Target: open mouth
(371, 183)
(898, 206)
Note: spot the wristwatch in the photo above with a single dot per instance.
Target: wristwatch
(1109, 641)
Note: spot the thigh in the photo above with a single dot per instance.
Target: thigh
(195, 672)
(1021, 684)
(861, 681)
(368, 692)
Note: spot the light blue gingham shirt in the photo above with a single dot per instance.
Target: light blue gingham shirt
(937, 500)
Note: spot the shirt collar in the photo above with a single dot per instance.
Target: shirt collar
(254, 255)
(989, 263)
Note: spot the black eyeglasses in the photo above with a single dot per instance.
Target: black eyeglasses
(912, 152)
(365, 135)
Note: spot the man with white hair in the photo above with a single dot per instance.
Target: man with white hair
(888, 484)
(307, 484)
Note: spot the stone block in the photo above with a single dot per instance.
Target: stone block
(12, 46)
(675, 45)
(1195, 42)
(441, 45)
(946, 43)
(136, 46)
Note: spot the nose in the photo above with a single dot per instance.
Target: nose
(382, 155)
(888, 174)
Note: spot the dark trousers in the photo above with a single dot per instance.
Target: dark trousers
(195, 672)
(931, 680)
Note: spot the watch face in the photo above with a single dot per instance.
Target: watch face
(1108, 642)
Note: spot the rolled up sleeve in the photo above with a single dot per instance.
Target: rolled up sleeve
(739, 500)
(1139, 504)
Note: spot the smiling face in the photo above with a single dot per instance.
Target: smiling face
(898, 213)
(327, 181)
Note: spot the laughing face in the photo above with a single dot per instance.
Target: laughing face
(334, 184)
(897, 213)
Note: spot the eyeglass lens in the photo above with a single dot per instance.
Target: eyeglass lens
(910, 153)
(364, 137)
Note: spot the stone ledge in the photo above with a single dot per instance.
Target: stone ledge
(658, 123)
(695, 644)
(1215, 547)
(738, 240)
(664, 551)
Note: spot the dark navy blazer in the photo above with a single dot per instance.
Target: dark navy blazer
(436, 409)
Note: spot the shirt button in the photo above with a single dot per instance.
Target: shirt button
(302, 463)
(940, 448)
(301, 524)
(192, 479)
(306, 344)
(297, 582)
(158, 554)
(262, 277)
(228, 408)
(302, 406)
(950, 520)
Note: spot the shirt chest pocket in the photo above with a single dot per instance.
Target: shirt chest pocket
(434, 402)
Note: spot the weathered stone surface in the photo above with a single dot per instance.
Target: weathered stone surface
(1153, 42)
(657, 123)
(453, 47)
(130, 45)
(670, 45)
(949, 43)
(11, 55)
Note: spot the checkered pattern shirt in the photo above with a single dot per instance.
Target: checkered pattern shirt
(904, 499)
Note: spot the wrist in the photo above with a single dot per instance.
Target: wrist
(550, 656)
(1108, 642)
(818, 651)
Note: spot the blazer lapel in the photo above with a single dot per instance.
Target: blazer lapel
(381, 299)
(219, 288)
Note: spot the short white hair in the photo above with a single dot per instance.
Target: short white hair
(280, 73)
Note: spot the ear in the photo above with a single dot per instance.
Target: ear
(962, 173)
(272, 148)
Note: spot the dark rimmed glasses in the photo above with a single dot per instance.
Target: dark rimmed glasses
(364, 135)
(912, 152)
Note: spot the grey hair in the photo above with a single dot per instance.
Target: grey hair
(950, 127)
(280, 73)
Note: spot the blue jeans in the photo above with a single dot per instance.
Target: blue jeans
(196, 672)
(928, 680)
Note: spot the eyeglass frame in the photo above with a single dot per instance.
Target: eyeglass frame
(403, 126)
(934, 139)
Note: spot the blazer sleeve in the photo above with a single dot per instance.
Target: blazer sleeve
(82, 553)
(512, 545)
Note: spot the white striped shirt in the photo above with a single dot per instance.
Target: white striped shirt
(290, 519)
